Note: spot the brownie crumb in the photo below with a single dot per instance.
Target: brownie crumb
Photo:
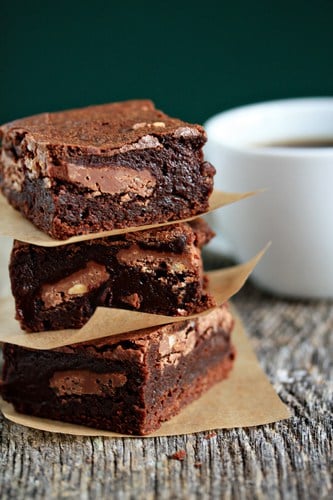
(210, 435)
(178, 455)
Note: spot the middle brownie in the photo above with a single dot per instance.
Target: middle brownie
(157, 271)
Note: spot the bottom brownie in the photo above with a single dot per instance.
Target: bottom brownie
(129, 383)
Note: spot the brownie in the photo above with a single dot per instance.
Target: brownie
(156, 271)
(129, 383)
(104, 167)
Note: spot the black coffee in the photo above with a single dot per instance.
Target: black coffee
(315, 142)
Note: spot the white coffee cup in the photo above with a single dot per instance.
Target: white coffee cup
(296, 210)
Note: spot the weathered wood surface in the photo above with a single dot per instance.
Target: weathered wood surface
(290, 459)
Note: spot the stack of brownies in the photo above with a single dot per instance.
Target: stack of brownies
(101, 168)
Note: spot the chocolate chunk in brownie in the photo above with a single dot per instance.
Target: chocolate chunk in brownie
(129, 383)
(157, 271)
(104, 167)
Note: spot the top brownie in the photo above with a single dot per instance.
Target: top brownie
(104, 167)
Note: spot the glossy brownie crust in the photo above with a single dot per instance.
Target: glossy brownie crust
(157, 271)
(104, 167)
(129, 384)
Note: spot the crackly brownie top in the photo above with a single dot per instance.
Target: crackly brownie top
(105, 127)
(218, 318)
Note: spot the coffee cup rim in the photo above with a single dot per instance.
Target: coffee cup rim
(219, 126)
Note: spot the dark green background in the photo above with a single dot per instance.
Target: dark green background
(192, 58)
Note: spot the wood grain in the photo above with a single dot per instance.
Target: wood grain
(290, 459)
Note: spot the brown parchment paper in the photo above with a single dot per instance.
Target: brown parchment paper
(223, 284)
(14, 225)
(245, 399)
